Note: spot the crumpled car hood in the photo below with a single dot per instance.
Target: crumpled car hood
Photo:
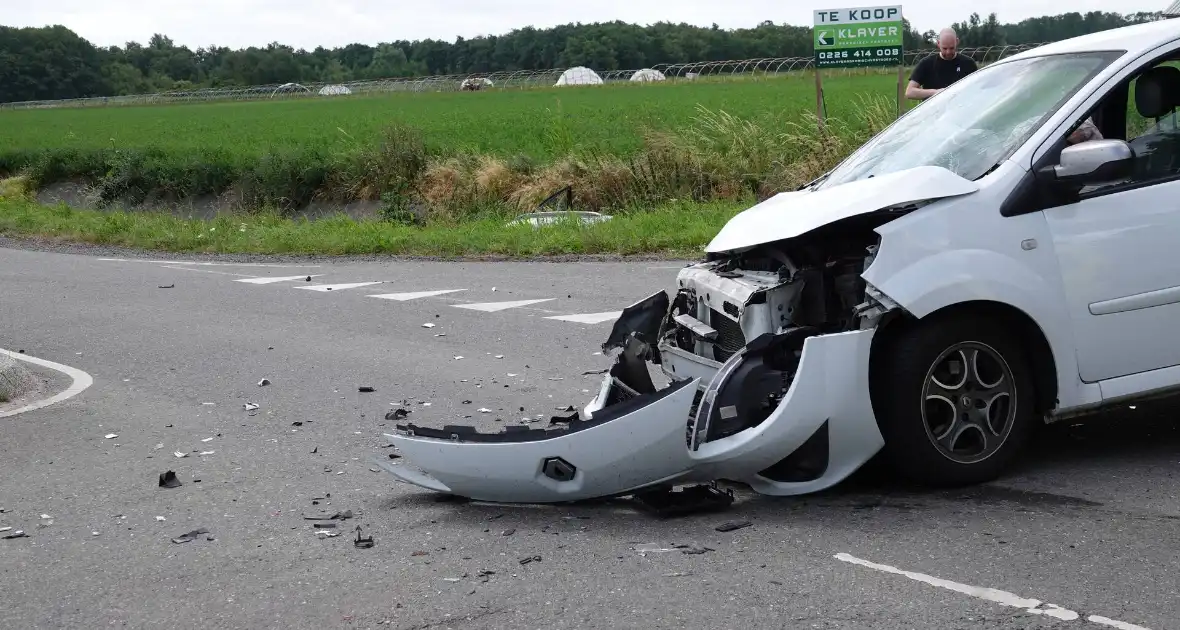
(791, 214)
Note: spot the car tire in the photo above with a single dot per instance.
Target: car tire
(933, 440)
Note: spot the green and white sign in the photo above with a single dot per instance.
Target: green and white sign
(863, 36)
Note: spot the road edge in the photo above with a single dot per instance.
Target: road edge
(80, 380)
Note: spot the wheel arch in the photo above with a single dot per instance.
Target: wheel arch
(1043, 363)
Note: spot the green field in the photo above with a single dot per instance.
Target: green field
(543, 124)
(441, 170)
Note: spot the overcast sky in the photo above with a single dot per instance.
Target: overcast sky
(332, 23)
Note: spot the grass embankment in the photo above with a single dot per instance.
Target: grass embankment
(675, 229)
(448, 169)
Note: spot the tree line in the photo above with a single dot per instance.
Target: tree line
(54, 62)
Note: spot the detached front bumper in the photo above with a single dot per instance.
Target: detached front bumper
(635, 437)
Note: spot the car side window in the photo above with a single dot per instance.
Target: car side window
(1152, 127)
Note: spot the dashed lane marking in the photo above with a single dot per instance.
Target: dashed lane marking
(81, 380)
(1031, 606)
(405, 297)
(267, 280)
(492, 307)
(337, 287)
(205, 264)
(588, 318)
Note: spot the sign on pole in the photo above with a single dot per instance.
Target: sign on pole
(859, 37)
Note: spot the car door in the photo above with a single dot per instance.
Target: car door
(1118, 248)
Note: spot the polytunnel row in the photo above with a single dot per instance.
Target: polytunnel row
(519, 79)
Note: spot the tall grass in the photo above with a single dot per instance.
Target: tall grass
(713, 154)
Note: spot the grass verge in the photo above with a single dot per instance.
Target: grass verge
(673, 229)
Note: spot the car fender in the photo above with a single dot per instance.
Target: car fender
(922, 280)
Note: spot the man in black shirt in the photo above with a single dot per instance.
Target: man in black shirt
(937, 72)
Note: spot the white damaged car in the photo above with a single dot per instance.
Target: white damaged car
(976, 268)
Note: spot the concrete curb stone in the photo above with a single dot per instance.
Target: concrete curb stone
(15, 378)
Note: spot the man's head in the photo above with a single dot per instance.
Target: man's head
(948, 43)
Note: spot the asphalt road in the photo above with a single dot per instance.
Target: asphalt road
(1090, 524)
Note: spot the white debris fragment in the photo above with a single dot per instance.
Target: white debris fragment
(46, 516)
(158, 447)
(161, 518)
(499, 356)
(441, 335)
(208, 404)
(458, 357)
(93, 533)
(5, 529)
(207, 452)
(324, 533)
(340, 472)
(511, 374)
(179, 454)
(249, 406)
(111, 436)
(207, 440)
(452, 579)
(428, 325)
(493, 289)
(485, 410)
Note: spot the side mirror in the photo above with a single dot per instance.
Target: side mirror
(1093, 162)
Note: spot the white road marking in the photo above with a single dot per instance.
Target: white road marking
(1031, 606)
(337, 287)
(405, 297)
(1121, 625)
(269, 280)
(492, 307)
(220, 273)
(204, 264)
(588, 318)
(81, 381)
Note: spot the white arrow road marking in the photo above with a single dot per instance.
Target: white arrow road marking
(337, 287)
(81, 381)
(588, 318)
(405, 297)
(491, 307)
(1031, 606)
(274, 280)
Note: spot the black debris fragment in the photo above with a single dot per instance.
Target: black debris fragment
(733, 526)
(169, 480)
(307, 279)
(693, 550)
(315, 450)
(570, 419)
(171, 286)
(339, 516)
(668, 503)
(394, 456)
(191, 536)
(529, 559)
(363, 543)
(17, 534)
(297, 424)
(508, 532)
(264, 382)
(365, 389)
(397, 414)
(594, 372)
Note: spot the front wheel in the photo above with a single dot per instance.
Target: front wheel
(954, 400)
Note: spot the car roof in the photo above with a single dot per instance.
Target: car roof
(1137, 39)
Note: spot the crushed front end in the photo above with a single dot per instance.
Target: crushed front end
(767, 356)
